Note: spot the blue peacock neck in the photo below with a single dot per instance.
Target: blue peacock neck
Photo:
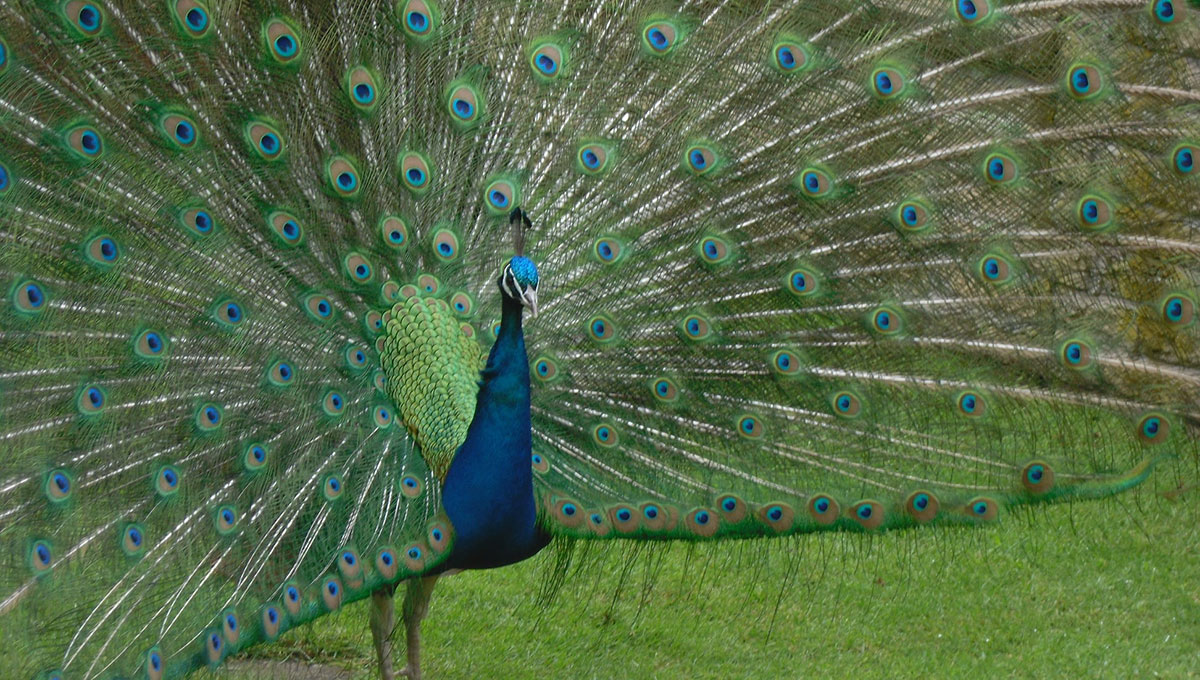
(488, 492)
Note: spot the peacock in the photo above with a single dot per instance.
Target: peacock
(308, 302)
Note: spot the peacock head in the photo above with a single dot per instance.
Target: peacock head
(519, 282)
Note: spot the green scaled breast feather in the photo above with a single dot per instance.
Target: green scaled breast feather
(432, 370)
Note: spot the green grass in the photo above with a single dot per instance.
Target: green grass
(1100, 589)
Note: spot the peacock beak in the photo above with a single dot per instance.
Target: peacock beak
(529, 299)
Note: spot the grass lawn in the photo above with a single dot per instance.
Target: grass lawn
(1098, 589)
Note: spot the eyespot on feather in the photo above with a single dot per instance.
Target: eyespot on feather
(415, 175)
(732, 508)
(332, 403)
(779, 517)
(701, 159)
(429, 284)
(971, 404)
(1095, 213)
(282, 41)
(1084, 81)
(230, 627)
(40, 557)
(785, 362)
(254, 457)
(1167, 12)
(225, 519)
(972, 12)
(462, 304)
(1153, 428)
(358, 268)
(271, 620)
(286, 227)
(198, 222)
(714, 250)
(802, 282)
(318, 307)
(886, 321)
(84, 141)
(789, 56)
(87, 18)
(192, 17)
(912, 217)
(410, 486)
(214, 647)
(349, 566)
(293, 598)
(179, 130)
(869, 514)
(331, 593)
(702, 522)
(332, 487)
(362, 88)
(846, 404)
(540, 463)
(91, 401)
(343, 177)
(548, 60)
(567, 512)
(657, 518)
(59, 486)
(664, 390)
(500, 195)
(439, 536)
(1076, 354)
(381, 416)
(29, 297)
(1183, 159)
(750, 426)
(995, 269)
(264, 139)
(545, 368)
(624, 518)
(464, 104)
(660, 37)
(814, 182)
(445, 245)
(601, 329)
(418, 19)
(887, 83)
(394, 232)
(695, 328)
(605, 435)
(280, 373)
(414, 557)
(599, 524)
(1037, 477)
(999, 168)
(102, 251)
(152, 664)
(132, 539)
(209, 417)
(593, 158)
(228, 313)
(166, 480)
(7, 179)
(1178, 310)
(922, 506)
(387, 563)
(982, 508)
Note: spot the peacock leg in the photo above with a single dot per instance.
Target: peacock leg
(383, 622)
(416, 606)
